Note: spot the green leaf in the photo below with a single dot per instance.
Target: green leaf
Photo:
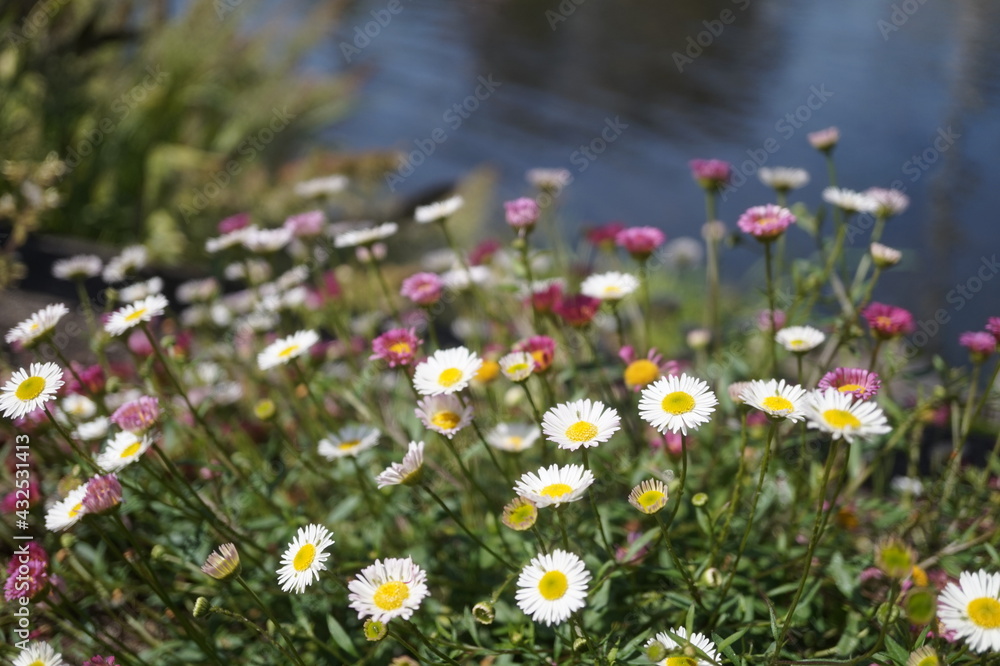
(897, 652)
(845, 580)
(726, 646)
(849, 639)
(340, 636)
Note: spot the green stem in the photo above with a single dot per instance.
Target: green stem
(458, 521)
(597, 512)
(385, 287)
(678, 564)
(734, 497)
(770, 303)
(267, 612)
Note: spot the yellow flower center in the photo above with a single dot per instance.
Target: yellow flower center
(515, 442)
(401, 348)
(929, 660)
(796, 343)
(449, 377)
(37, 662)
(136, 315)
(681, 661)
(288, 351)
(523, 514)
(919, 576)
(581, 431)
(30, 388)
(344, 446)
(446, 420)
(304, 558)
(539, 357)
(612, 290)
(650, 498)
(76, 509)
(849, 387)
(130, 450)
(641, 372)
(390, 596)
(518, 368)
(35, 326)
(488, 371)
(677, 402)
(883, 321)
(984, 612)
(761, 221)
(556, 490)
(840, 419)
(553, 585)
(776, 403)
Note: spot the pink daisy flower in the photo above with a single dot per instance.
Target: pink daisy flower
(306, 224)
(28, 573)
(824, 139)
(640, 242)
(711, 174)
(856, 381)
(577, 310)
(888, 321)
(234, 223)
(765, 223)
(764, 320)
(979, 343)
(993, 326)
(397, 346)
(522, 213)
(604, 236)
(542, 349)
(422, 288)
(483, 253)
(642, 371)
(544, 299)
(137, 415)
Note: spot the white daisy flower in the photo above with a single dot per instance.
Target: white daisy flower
(131, 315)
(885, 256)
(407, 472)
(444, 414)
(907, 484)
(27, 390)
(668, 645)
(799, 339)
(776, 399)
(842, 416)
(513, 437)
(140, 290)
(553, 180)
(365, 236)
(228, 240)
(888, 203)
(91, 430)
(198, 291)
(446, 371)
(972, 609)
(460, 278)
(440, 210)
(39, 654)
(304, 558)
(283, 350)
(517, 366)
(610, 286)
(132, 258)
(348, 441)
(649, 496)
(123, 450)
(263, 241)
(849, 200)
(581, 423)
(78, 407)
(389, 588)
(37, 325)
(552, 587)
(555, 485)
(783, 179)
(677, 403)
(67, 512)
(79, 267)
(323, 186)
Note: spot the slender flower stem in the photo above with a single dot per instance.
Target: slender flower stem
(432, 330)
(84, 458)
(493, 457)
(683, 481)
(377, 267)
(428, 643)
(753, 512)
(817, 531)
(531, 401)
(647, 304)
(678, 564)
(772, 329)
(267, 612)
(250, 625)
(597, 512)
(734, 497)
(458, 521)
(523, 247)
(712, 270)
